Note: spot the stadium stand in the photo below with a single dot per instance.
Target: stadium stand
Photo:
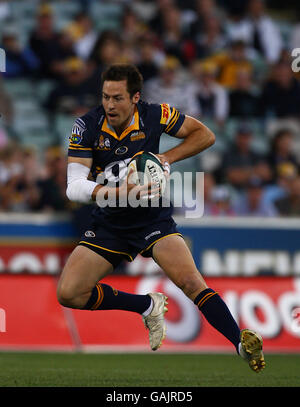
(210, 35)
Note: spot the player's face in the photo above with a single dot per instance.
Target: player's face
(117, 103)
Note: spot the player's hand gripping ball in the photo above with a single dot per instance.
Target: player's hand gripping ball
(146, 168)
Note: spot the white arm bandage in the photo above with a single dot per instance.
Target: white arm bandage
(79, 188)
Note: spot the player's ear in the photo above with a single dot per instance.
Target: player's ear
(136, 97)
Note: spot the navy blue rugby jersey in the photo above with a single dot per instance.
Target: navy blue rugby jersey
(92, 137)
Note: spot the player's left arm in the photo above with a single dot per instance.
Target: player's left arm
(196, 138)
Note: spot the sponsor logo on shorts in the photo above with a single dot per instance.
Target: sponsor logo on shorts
(157, 232)
(89, 233)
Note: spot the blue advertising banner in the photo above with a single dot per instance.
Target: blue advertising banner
(220, 246)
(244, 246)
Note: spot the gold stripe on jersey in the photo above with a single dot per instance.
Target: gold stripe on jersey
(71, 147)
(133, 127)
(173, 121)
(165, 113)
(78, 146)
(173, 117)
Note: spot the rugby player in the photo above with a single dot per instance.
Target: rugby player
(102, 143)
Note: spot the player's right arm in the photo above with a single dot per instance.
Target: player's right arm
(79, 188)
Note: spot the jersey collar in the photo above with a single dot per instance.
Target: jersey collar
(134, 125)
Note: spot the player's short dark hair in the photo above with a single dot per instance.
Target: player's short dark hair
(128, 72)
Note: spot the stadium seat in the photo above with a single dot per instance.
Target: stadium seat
(39, 138)
(21, 10)
(19, 88)
(68, 9)
(43, 89)
(106, 16)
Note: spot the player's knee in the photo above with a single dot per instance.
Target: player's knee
(190, 283)
(66, 296)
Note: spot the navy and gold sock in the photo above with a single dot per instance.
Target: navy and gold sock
(218, 315)
(104, 297)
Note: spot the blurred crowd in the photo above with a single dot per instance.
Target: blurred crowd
(219, 61)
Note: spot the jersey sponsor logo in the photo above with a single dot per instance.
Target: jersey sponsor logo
(121, 150)
(89, 233)
(165, 113)
(137, 135)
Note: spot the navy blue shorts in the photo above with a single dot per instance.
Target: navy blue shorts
(117, 245)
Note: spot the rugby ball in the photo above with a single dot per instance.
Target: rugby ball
(146, 168)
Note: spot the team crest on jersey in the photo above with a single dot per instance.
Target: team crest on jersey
(77, 131)
(137, 135)
(104, 143)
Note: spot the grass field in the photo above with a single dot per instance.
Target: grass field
(145, 370)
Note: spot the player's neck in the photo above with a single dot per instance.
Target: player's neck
(119, 130)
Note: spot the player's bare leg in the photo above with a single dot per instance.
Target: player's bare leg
(83, 270)
(79, 287)
(174, 257)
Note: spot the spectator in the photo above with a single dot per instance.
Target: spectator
(251, 203)
(150, 58)
(43, 41)
(258, 31)
(76, 94)
(20, 62)
(64, 51)
(281, 93)
(286, 173)
(107, 50)
(172, 37)
(211, 40)
(281, 152)
(290, 205)
(221, 204)
(132, 27)
(212, 98)
(240, 161)
(18, 177)
(52, 185)
(230, 62)
(205, 9)
(169, 87)
(6, 106)
(83, 34)
(244, 98)
(157, 21)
